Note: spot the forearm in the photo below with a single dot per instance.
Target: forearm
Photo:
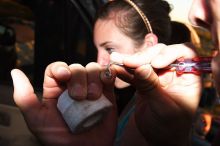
(161, 125)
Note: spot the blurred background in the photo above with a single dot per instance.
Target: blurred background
(35, 33)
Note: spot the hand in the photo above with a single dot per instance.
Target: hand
(166, 102)
(43, 117)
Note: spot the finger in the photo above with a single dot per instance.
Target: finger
(146, 80)
(94, 90)
(140, 58)
(159, 56)
(148, 85)
(24, 95)
(143, 57)
(77, 86)
(56, 74)
(124, 73)
(168, 54)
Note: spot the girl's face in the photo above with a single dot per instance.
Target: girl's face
(108, 38)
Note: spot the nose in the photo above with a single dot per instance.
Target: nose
(103, 58)
(199, 14)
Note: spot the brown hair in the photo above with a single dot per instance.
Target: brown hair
(130, 22)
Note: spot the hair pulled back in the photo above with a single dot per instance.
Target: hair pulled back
(132, 25)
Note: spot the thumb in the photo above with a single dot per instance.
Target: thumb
(146, 80)
(24, 95)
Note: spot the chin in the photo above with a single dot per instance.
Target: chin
(121, 84)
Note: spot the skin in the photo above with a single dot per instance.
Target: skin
(206, 13)
(159, 95)
(43, 117)
(108, 38)
(124, 51)
(111, 40)
(166, 102)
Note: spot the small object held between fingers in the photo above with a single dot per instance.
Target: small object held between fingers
(108, 71)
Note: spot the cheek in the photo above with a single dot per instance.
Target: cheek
(120, 84)
(192, 12)
(214, 5)
(103, 58)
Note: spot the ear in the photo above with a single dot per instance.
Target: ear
(150, 39)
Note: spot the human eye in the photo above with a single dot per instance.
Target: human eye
(109, 50)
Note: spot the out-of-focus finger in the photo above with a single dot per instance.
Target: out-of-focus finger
(24, 95)
(94, 89)
(56, 74)
(77, 86)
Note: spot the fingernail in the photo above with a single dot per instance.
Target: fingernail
(78, 92)
(149, 68)
(146, 71)
(63, 71)
(92, 90)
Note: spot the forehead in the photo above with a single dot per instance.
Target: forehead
(106, 30)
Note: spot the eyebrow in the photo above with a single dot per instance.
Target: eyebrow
(103, 44)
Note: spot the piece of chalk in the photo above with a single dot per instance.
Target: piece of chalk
(82, 115)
